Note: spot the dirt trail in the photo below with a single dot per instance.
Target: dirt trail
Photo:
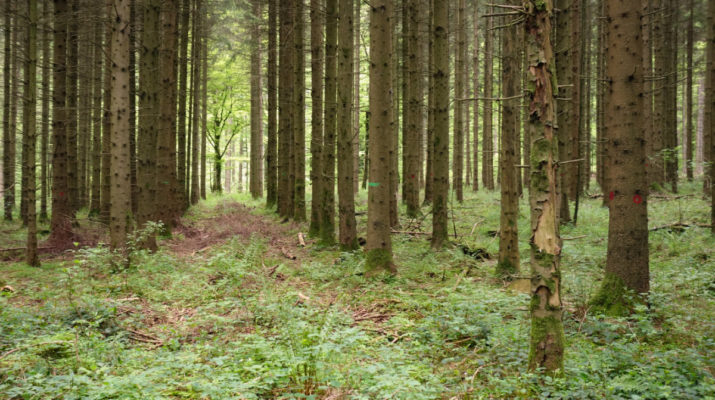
(228, 220)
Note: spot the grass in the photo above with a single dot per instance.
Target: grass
(238, 320)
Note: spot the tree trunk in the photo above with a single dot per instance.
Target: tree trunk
(72, 109)
(414, 111)
(564, 104)
(429, 172)
(8, 168)
(475, 114)
(256, 106)
(286, 186)
(204, 101)
(317, 60)
(459, 94)
(441, 123)
(356, 101)
(671, 93)
(511, 86)
(135, 25)
(196, 97)
(299, 210)
(105, 189)
(327, 219)
(688, 135)
(710, 104)
(120, 213)
(346, 193)
(379, 244)
(46, 99)
(60, 224)
(656, 142)
(547, 334)
(394, 155)
(29, 125)
(487, 137)
(627, 260)
(272, 145)
(149, 90)
(95, 202)
(167, 185)
(181, 199)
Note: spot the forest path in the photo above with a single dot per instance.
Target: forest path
(227, 220)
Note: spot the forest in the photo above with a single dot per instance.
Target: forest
(347, 199)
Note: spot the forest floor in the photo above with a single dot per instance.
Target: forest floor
(233, 307)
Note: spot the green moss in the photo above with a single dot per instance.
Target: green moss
(613, 298)
(505, 269)
(547, 343)
(379, 259)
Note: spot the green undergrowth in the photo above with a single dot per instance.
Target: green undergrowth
(240, 321)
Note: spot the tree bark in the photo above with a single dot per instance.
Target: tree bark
(95, 204)
(105, 189)
(346, 193)
(196, 106)
(475, 114)
(29, 125)
(272, 145)
(256, 105)
(459, 94)
(547, 334)
(120, 212)
(441, 123)
(299, 210)
(8, 168)
(182, 199)
(46, 99)
(167, 186)
(72, 109)
(149, 90)
(317, 60)
(689, 94)
(327, 219)
(511, 86)
(627, 260)
(379, 244)
(487, 136)
(414, 110)
(710, 103)
(286, 184)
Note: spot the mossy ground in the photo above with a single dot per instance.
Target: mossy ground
(236, 319)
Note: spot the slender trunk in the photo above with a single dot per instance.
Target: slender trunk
(204, 101)
(429, 173)
(688, 134)
(8, 168)
(475, 113)
(394, 155)
(547, 334)
(167, 185)
(317, 59)
(441, 123)
(181, 200)
(487, 137)
(414, 111)
(459, 94)
(72, 97)
(299, 114)
(256, 106)
(272, 145)
(327, 220)
(627, 260)
(134, 27)
(95, 202)
(196, 113)
(379, 244)
(564, 105)
(45, 127)
(346, 193)
(710, 104)
(356, 100)
(508, 232)
(105, 189)
(149, 90)
(286, 185)
(29, 125)
(120, 213)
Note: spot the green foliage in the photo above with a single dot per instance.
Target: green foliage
(239, 320)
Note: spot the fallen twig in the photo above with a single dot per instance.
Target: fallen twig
(680, 225)
(301, 239)
(287, 254)
(574, 238)
(411, 232)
